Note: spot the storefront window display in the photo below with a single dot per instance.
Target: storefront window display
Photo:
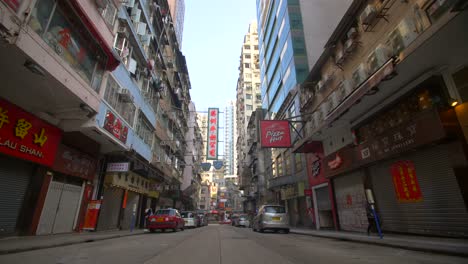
(62, 29)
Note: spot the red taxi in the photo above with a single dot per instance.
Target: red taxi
(166, 219)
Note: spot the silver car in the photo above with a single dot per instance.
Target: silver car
(271, 217)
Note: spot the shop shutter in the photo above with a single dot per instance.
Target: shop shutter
(14, 179)
(110, 209)
(442, 210)
(132, 201)
(351, 201)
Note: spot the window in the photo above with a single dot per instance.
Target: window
(279, 161)
(273, 170)
(248, 107)
(247, 56)
(64, 32)
(275, 209)
(256, 47)
(119, 100)
(287, 163)
(248, 96)
(109, 14)
(246, 65)
(438, 8)
(248, 75)
(298, 159)
(247, 47)
(143, 129)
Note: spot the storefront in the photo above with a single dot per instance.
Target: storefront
(71, 172)
(27, 143)
(412, 157)
(296, 204)
(122, 197)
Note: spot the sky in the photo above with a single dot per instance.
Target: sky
(212, 39)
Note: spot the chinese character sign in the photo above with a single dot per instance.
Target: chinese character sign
(26, 136)
(212, 141)
(114, 125)
(275, 134)
(405, 182)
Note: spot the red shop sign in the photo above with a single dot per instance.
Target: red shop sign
(275, 134)
(308, 192)
(405, 182)
(114, 125)
(25, 136)
(75, 163)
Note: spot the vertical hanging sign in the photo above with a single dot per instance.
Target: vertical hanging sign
(212, 142)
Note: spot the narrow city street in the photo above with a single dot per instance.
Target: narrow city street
(224, 244)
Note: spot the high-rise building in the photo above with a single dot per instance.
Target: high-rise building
(291, 39)
(229, 140)
(177, 9)
(248, 96)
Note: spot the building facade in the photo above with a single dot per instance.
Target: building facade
(230, 132)
(386, 119)
(93, 133)
(248, 96)
(291, 37)
(177, 9)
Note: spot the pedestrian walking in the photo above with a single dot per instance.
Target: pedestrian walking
(370, 219)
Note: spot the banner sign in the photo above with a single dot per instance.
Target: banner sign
(26, 136)
(116, 127)
(275, 134)
(218, 164)
(213, 123)
(118, 167)
(72, 162)
(405, 182)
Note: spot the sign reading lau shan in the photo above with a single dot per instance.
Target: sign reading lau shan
(275, 134)
(27, 137)
(213, 121)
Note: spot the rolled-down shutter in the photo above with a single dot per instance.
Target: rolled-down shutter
(110, 209)
(14, 179)
(442, 210)
(351, 201)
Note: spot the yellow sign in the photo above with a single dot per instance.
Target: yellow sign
(129, 181)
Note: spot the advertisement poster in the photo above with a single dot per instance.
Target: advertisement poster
(405, 182)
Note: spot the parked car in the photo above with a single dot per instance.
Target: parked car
(271, 217)
(190, 218)
(243, 221)
(166, 219)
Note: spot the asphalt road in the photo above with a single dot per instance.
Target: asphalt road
(224, 244)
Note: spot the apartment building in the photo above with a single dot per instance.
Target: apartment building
(81, 111)
(291, 38)
(248, 97)
(385, 106)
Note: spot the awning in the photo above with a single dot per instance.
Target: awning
(308, 145)
(372, 81)
(113, 59)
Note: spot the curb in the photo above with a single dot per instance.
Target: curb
(460, 253)
(81, 241)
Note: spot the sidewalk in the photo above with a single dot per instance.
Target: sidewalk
(448, 246)
(16, 244)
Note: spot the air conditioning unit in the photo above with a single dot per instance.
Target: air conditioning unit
(141, 28)
(135, 15)
(129, 3)
(125, 95)
(377, 58)
(336, 98)
(168, 160)
(146, 40)
(368, 15)
(402, 36)
(325, 108)
(350, 45)
(339, 56)
(360, 74)
(352, 33)
(132, 66)
(346, 87)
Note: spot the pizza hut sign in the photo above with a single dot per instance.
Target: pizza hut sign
(275, 134)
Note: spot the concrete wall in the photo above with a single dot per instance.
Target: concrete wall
(319, 19)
